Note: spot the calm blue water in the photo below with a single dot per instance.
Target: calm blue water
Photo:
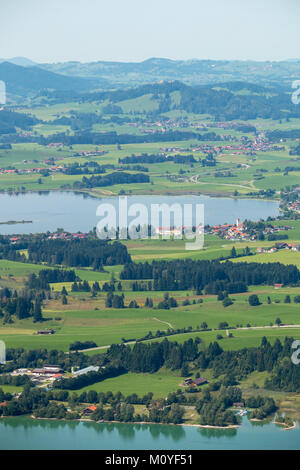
(25, 433)
(77, 212)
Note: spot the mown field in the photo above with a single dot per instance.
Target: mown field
(107, 326)
(86, 317)
(167, 178)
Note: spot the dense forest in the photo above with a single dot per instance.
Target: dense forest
(22, 305)
(213, 276)
(157, 158)
(73, 253)
(9, 120)
(47, 276)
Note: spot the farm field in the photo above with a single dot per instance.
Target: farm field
(282, 256)
(79, 145)
(235, 171)
(108, 326)
(160, 383)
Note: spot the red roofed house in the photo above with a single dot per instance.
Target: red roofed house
(90, 410)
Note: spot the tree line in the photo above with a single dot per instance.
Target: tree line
(213, 276)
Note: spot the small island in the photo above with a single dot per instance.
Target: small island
(14, 222)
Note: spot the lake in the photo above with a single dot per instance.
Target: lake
(25, 433)
(77, 212)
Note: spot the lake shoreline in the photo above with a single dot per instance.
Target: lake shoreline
(23, 432)
(285, 427)
(207, 426)
(109, 194)
(77, 210)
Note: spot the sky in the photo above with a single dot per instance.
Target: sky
(135, 30)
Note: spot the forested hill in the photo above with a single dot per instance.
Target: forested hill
(224, 101)
(9, 120)
(25, 80)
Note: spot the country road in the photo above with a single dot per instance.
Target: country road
(203, 331)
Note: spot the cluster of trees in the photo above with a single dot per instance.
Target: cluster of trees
(79, 345)
(23, 305)
(111, 407)
(167, 302)
(145, 158)
(154, 158)
(124, 412)
(150, 357)
(17, 380)
(77, 253)
(278, 134)
(46, 276)
(274, 358)
(285, 376)
(30, 399)
(214, 410)
(80, 287)
(213, 276)
(87, 168)
(264, 406)
(276, 236)
(111, 179)
(295, 150)
(114, 300)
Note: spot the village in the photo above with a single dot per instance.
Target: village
(53, 236)
(294, 206)
(240, 232)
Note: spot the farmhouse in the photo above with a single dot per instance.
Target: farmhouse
(195, 382)
(88, 411)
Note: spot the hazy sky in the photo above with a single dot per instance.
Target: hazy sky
(134, 30)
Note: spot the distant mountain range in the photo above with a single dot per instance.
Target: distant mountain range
(193, 72)
(25, 78)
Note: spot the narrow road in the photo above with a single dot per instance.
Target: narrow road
(166, 323)
(214, 329)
